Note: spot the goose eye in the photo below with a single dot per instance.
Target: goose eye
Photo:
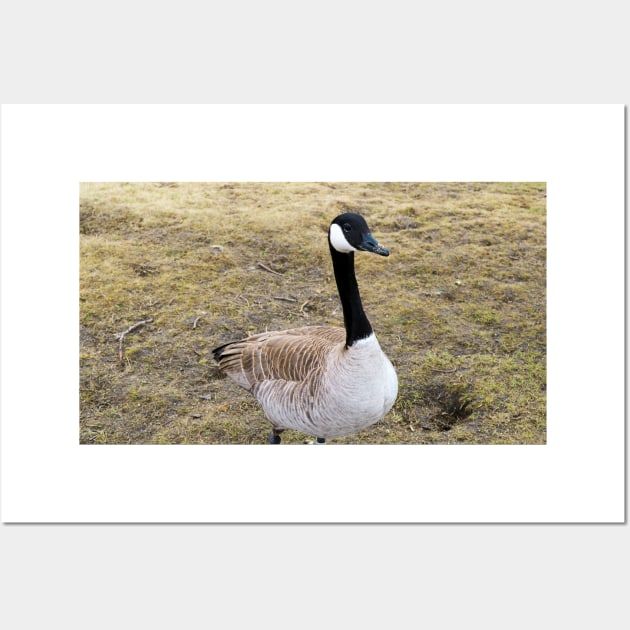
(347, 227)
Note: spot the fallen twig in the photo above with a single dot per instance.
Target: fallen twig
(304, 313)
(121, 339)
(269, 269)
(196, 321)
(284, 299)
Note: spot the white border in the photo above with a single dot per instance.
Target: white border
(48, 477)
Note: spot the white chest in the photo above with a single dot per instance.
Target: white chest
(365, 387)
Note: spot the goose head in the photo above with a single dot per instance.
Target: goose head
(349, 232)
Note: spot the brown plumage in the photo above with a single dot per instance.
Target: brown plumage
(287, 355)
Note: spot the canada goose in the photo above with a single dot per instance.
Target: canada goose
(325, 381)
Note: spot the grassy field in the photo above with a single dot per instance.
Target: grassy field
(459, 306)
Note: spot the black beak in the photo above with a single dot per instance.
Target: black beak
(370, 244)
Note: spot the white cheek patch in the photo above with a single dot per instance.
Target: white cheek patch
(338, 240)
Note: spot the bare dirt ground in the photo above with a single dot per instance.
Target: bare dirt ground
(459, 306)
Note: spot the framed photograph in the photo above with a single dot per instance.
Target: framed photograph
(433, 294)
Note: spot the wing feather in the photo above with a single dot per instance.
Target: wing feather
(288, 355)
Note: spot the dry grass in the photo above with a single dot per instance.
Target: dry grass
(459, 306)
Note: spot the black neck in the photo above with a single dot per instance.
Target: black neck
(354, 318)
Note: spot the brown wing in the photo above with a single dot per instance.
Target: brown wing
(289, 355)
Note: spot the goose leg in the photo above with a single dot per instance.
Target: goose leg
(274, 437)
